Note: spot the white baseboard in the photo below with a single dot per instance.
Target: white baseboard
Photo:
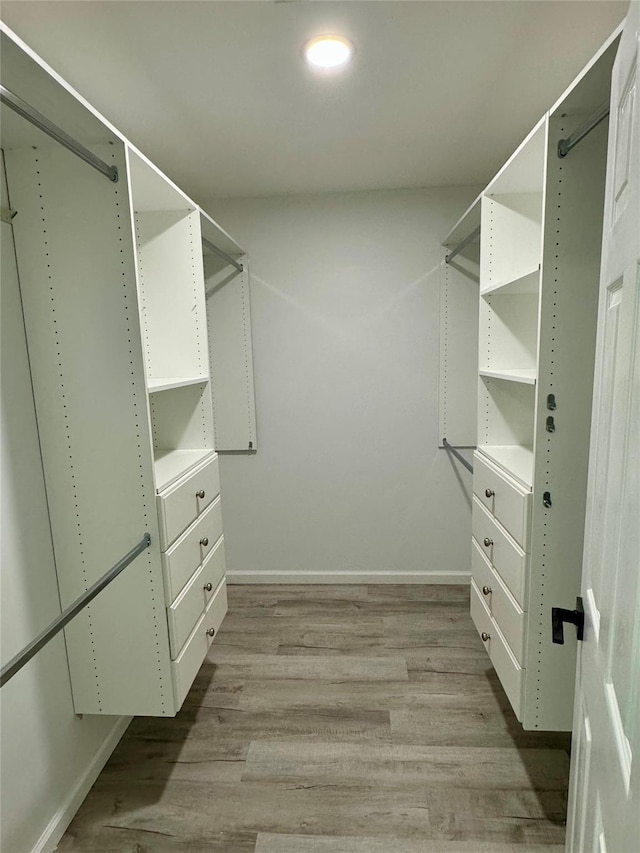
(58, 824)
(240, 577)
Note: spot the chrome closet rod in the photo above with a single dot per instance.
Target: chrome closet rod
(458, 456)
(22, 108)
(17, 662)
(565, 145)
(461, 245)
(212, 248)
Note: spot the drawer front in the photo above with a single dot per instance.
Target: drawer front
(507, 667)
(501, 604)
(190, 550)
(181, 504)
(507, 501)
(505, 555)
(186, 666)
(192, 601)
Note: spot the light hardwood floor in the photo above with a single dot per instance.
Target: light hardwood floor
(335, 719)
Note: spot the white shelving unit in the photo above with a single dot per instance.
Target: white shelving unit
(541, 231)
(112, 284)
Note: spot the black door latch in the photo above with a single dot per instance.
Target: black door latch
(575, 617)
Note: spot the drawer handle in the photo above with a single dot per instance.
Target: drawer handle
(204, 541)
(485, 636)
(200, 494)
(208, 587)
(486, 590)
(211, 632)
(487, 541)
(489, 493)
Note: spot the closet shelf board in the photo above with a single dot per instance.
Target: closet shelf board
(526, 376)
(527, 282)
(516, 460)
(165, 384)
(170, 465)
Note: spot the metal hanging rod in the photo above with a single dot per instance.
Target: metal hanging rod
(16, 663)
(458, 456)
(462, 244)
(216, 251)
(22, 108)
(565, 145)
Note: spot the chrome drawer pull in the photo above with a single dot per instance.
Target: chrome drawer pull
(211, 632)
(489, 493)
(204, 541)
(485, 636)
(486, 590)
(200, 494)
(487, 541)
(208, 587)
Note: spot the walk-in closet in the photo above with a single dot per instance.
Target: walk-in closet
(320, 427)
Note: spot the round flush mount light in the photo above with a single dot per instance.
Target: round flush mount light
(328, 51)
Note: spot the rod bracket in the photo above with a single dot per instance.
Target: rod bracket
(559, 615)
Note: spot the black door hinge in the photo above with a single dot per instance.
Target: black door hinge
(560, 615)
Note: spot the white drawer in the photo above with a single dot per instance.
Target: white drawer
(501, 604)
(509, 502)
(192, 601)
(180, 504)
(189, 661)
(190, 550)
(503, 552)
(507, 667)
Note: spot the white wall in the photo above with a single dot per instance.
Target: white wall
(49, 756)
(348, 481)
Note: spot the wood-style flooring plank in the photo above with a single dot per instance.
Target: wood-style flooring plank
(273, 843)
(401, 765)
(312, 667)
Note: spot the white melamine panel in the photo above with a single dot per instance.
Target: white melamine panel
(528, 282)
(515, 460)
(459, 348)
(527, 376)
(567, 348)
(524, 171)
(181, 419)
(181, 504)
(509, 331)
(150, 189)
(76, 269)
(186, 666)
(192, 601)
(171, 285)
(507, 500)
(505, 664)
(506, 417)
(504, 553)
(230, 355)
(501, 604)
(187, 552)
(511, 239)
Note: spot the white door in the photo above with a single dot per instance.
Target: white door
(604, 798)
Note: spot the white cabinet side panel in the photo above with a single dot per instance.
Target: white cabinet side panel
(75, 259)
(231, 359)
(458, 352)
(571, 264)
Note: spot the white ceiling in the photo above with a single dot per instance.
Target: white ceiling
(217, 94)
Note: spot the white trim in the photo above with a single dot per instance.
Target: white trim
(240, 577)
(58, 824)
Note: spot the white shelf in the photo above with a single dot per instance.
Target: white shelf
(516, 460)
(526, 376)
(155, 385)
(527, 282)
(170, 465)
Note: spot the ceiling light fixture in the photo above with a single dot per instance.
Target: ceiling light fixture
(328, 51)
